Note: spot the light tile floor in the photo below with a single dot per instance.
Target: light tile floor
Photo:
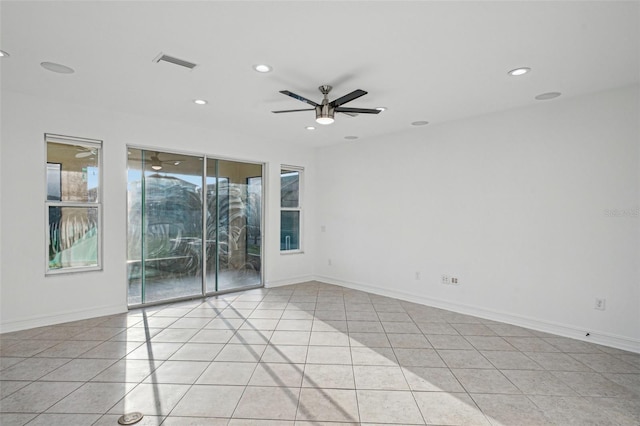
(310, 354)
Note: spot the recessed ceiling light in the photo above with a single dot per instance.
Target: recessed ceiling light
(263, 68)
(519, 71)
(200, 102)
(351, 137)
(419, 123)
(381, 109)
(310, 128)
(3, 54)
(59, 68)
(547, 96)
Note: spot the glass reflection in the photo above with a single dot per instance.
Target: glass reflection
(73, 182)
(73, 237)
(165, 226)
(238, 224)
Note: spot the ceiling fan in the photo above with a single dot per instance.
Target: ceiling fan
(84, 152)
(153, 158)
(157, 164)
(326, 110)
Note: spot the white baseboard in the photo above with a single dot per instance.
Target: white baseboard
(59, 318)
(564, 330)
(571, 331)
(288, 281)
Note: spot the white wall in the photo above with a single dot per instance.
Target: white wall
(514, 204)
(30, 299)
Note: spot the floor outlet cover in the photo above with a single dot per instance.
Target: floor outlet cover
(130, 418)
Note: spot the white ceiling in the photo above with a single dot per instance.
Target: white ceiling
(434, 61)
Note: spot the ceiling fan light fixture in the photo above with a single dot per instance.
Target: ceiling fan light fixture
(324, 120)
(324, 114)
(156, 164)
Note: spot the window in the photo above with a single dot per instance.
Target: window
(73, 204)
(290, 209)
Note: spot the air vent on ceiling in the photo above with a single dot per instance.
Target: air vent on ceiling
(173, 60)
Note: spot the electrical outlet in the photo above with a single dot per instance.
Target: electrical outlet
(600, 304)
(454, 280)
(446, 279)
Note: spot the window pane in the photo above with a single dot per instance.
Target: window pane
(165, 226)
(73, 237)
(54, 184)
(289, 230)
(134, 224)
(239, 259)
(72, 172)
(289, 188)
(213, 187)
(254, 209)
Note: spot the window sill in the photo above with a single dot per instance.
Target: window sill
(286, 252)
(72, 270)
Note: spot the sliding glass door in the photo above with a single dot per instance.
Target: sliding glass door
(173, 201)
(235, 219)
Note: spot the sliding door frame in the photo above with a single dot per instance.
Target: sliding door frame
(204, 292)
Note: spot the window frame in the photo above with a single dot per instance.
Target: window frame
(97, 204)
(299, 208)
(260, 211)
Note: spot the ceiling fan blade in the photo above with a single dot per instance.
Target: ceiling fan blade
(358, 110)
(347, 98)
(293, 110)
(298, 97)
(350, 114)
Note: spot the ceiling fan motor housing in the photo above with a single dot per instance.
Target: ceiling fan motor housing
(325, 89)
